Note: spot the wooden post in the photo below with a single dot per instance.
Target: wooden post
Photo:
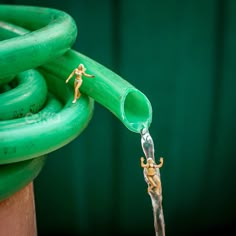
(17, 214)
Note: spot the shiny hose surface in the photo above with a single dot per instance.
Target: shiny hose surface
(36, 114)
(53, 33)
(34, 105)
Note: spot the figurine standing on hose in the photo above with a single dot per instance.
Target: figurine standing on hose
(78, 72)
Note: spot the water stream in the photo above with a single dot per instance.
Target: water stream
(153, 179)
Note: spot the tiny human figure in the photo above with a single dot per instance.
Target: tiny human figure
(78, 72)
(150, 172)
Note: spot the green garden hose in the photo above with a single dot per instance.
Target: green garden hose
(53, 33)
(14, 177)
(18, 102)
(37, 115)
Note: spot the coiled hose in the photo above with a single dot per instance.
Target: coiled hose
(36, 112)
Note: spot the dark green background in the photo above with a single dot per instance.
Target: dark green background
(181, 54)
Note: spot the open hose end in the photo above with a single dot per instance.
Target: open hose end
(136, 110)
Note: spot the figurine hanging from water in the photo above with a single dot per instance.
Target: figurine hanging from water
(78, 72)
(151, 174)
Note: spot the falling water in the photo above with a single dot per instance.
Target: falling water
(155, 193)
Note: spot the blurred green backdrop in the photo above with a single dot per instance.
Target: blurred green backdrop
(181, 54)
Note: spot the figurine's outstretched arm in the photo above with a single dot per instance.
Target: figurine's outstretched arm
(161, 163)
(70, 76)
(142, 163)
(87, 75)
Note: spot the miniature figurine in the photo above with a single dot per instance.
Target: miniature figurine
(78, 72)
(150, 172)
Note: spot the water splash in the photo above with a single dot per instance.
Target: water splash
(153, 179)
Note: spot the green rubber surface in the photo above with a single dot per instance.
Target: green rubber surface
(37, 115)
(17, 176)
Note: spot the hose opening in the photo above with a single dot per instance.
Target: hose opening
(137, 110)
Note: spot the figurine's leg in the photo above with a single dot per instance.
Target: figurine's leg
(156, 180)
(78, 87)
(77, 92)
(158, 184)
(152, 183)
(74, 101)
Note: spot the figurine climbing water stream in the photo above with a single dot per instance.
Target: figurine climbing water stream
(154, 182)
(152, 177)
